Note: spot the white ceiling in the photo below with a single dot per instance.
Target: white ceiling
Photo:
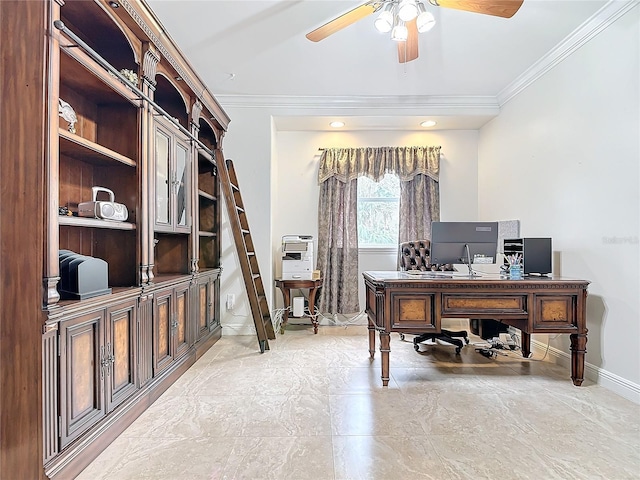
(256, 51)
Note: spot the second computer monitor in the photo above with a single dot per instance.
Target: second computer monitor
(463, 242)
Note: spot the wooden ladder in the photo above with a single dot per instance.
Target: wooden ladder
(246, 252)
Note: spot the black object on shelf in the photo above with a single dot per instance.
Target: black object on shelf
(535, 253)
(82, 277)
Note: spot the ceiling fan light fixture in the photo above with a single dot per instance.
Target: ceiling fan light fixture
(425, 20)
(384, 22)
(407, 10)
(400, 33)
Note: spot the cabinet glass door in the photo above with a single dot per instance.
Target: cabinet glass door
(163, 183)
(181, 185)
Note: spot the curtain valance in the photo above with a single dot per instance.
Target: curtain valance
(347, 164)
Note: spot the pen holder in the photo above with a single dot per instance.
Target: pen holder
(515, 271)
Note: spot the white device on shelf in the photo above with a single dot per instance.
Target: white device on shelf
(297, 257)
(298, 307)
(106, 210)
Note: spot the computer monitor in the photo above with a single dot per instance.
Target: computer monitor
(463, 242)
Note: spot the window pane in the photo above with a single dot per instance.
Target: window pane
(378, 211)
(388, 187)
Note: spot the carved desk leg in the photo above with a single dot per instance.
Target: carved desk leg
(372, 338)
(312, 308)
(384, 350)
(578, 349)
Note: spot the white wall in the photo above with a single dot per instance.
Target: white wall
(563, 156)
(296, 196)
(249, 144)
(277, 172)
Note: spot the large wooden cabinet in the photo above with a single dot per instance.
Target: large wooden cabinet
(95, 94)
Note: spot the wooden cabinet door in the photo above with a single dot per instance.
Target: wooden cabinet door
(83, 363)
(204, 307)
(162, 330)
(121, 348)
(181, 321)
(214, 303)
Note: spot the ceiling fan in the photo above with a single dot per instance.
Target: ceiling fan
(405, 19)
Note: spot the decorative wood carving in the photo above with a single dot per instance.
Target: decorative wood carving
(196, 110)
(150, 63)
(177, 66)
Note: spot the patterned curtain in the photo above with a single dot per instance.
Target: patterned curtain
(418, 170)
(338, 246)
(419, 206)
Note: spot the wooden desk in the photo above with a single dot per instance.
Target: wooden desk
(286, 285)
(399, 302)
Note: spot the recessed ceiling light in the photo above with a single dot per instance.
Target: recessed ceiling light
(337, 124)
(428, 123)
(114, 4)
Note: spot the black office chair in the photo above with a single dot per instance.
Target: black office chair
(415, 256)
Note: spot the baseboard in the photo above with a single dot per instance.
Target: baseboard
(238, 328)
(610, 381)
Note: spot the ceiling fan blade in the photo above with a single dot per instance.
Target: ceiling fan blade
(344, 20)
(497, 8)
(408, 50)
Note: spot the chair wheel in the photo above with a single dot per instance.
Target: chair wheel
(458, 350)
(416, 347)
(466, 339)
(402, 336)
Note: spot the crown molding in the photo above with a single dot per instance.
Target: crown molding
(368, 104)
(600, 20)
(438, 105)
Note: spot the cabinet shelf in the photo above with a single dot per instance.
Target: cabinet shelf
(94, 223)
(80, 148)
(81, 72)
(204, 154)
(206, 196)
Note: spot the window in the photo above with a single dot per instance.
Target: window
(378, 208)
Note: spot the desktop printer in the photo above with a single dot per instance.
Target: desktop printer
(297, 257)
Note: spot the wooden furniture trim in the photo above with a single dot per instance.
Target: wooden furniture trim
(149, 24)
(101, 75)
(95, 223)
(286, 286)
(78, 147)
(524, 306)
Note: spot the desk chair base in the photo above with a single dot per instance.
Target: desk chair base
(445, 336)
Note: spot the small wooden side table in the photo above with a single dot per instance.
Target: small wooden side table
(286, 285)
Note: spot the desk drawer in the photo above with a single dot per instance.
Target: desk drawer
(555, 312)
(466, 304)
(413, 312)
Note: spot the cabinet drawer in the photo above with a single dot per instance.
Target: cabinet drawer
(465, 304)
(413, 312)
(555, 312)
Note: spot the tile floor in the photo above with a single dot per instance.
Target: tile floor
(313, 407)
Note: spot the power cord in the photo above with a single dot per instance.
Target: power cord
(495, 347)
(334, 319)
(277, 315)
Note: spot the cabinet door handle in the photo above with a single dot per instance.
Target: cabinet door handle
(107, 359)
(103, 362)
(111, 357)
